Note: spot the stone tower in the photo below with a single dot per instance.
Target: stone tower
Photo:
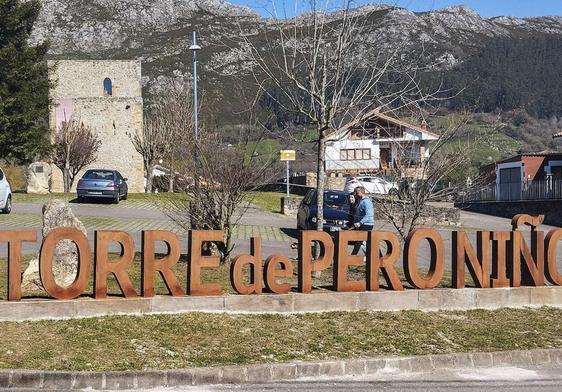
(107, 96)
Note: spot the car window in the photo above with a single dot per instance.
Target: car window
(335, 198)
(98, 175)
(1, 175)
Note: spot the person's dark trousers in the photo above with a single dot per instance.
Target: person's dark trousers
(360, 244)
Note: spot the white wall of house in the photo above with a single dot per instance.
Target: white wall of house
(333, 155)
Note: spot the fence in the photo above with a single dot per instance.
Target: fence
(548, 189)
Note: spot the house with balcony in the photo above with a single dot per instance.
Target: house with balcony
(377, 143)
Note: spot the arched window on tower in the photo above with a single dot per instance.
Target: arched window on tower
(107, 87)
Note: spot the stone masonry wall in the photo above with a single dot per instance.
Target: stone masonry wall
(80, 89)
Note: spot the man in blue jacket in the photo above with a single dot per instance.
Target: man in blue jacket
(364, 218)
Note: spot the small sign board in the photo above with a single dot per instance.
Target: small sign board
(288, 155)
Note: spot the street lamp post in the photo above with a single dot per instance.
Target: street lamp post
(194, 48)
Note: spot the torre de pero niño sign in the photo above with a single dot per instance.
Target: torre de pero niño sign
(498, 259)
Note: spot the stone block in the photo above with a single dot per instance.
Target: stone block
(205, 376)
(556, 356)
(324, 302)
(179, 378)
(150, 379)
(57, 380)
(355, 367)
(259, 373)
(430, 300)
(26, 379)
(4, 378)
(546, 296)
(388, 300)
(374, 365)
(259, 303)
(168, 304)
(332, 368)
(283, 371)
(503, 298)
(540, 357)
(120, 380)
(502, 359)
(233, 375)
(464, 360)
(111, 306)
(521, 358)
(482, 359)
(404, 364)
(307, 369)
(458, 299)
(85, 380)
(36, 310)
(421, 364)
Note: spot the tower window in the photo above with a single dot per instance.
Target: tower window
(107, 87)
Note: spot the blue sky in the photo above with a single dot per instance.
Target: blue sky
(487, 8)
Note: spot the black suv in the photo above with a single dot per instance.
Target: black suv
(336, 211)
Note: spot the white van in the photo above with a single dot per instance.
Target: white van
(5, 194)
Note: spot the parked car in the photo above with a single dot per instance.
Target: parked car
(5, 194)
(102, 184)
(372, 184)
(336, 211)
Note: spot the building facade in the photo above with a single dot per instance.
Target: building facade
(107, 96)
(377, 144)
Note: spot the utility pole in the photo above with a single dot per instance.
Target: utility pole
(194, 48)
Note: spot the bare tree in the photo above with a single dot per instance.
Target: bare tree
(222, 176)
(75, 146)
(423, 170)
(317, 66)
(166, 124)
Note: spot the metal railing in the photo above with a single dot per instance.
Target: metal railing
(547, 189)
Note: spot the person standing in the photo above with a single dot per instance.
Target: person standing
(364, 217)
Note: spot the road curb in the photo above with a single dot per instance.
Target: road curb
(45, 380)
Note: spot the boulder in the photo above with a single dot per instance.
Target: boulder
(39, 177)
(65, 260)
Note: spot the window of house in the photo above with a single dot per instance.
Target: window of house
(354, 154)
(107, 87)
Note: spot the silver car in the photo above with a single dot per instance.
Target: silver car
(5, 194)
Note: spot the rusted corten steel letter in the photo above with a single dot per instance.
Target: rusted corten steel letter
(478, 262)
(118, 266)
(149, 264)
(499, 258)
(385, 263)
(306, 263)
(198, 261)
(343, 261)
(532, 271)
(271, 273)
(256, 270)
(437, 261)
(551, 271)
(80, 283)
(14, 240)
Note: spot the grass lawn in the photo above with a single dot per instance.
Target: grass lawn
(269, 201)
(179, 341)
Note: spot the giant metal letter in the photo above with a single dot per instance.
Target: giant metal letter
(437, 261)
(14, 240)
(255, 263)
(306, 263)
(499, 258)
(552, 240)
(118, 266)
(271, 272)
(343, 260)
(376, 261)
(46, 263)
(149, 264)
(478, 262)
(198, 261)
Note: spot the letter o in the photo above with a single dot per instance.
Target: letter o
(437, 262)
(46, 263)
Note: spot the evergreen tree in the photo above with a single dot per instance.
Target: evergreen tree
(24, 84)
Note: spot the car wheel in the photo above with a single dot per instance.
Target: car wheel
(125, 196)
(80, 199)
(8, 207)
(116, 198)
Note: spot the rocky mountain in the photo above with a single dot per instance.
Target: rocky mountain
(158, 32)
